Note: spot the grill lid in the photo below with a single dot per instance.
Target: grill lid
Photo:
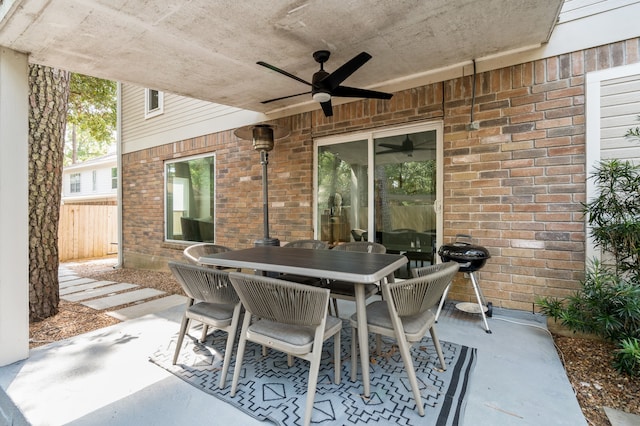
(470, 257)
(464, 252)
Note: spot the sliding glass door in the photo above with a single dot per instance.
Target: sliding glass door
(382, 186)
(342, 196)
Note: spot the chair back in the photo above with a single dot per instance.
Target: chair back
(194, 252)
(426, 270)
(308, 244)
(281, 301)
(362, 246)
(423, 292)
(206, 284)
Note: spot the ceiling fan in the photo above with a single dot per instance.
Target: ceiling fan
(324, 86)
(406, 147)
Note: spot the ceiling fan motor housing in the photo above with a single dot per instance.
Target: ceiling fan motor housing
(319, 91)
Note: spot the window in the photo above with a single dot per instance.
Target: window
(153, 103)
(74, 182)
(382, 186)
(190, 199)
(114, 177)
(94, 177)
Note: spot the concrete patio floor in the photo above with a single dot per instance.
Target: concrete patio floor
(104, 377)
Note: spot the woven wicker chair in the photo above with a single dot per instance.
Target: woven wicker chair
(289, 317)
(420, 272)
(218, 306)
(194, 252)
(406, 315)
(305, 244)
(346, 290)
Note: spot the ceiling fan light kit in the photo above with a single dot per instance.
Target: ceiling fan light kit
(325, 86)
(321, 97)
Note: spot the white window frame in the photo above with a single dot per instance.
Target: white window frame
(215, 182)
(114, 178)
(75, 187)
(148, 111)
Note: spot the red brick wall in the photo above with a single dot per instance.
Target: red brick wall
(516, 184)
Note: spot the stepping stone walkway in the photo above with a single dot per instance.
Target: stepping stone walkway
(107, 295)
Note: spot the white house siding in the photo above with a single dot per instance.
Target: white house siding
(612, 108)
(183, 118)
(577, 9)
(103, 189)
(619, 111)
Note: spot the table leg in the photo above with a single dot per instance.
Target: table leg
(363, 336)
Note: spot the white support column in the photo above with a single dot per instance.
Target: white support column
(14, 202)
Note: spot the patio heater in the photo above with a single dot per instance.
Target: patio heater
(263, 136)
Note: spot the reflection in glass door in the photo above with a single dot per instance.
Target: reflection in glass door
(342, 195)
(405, 186)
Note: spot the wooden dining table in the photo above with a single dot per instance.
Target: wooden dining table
(356, 267)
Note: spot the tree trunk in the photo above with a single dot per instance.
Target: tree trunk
(74, 145)
(49, 92)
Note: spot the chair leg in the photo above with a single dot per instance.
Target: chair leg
(411, 373)
(436, 343)
(183, 330)
(205, 329)
(442, 300)
(378, 345)
(240, 355)
(314, 369)
(289, 360)
(231, 336)
(336, 356)
(354, 353)
(335, 307)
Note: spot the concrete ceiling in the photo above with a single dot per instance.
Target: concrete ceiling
(208, 49)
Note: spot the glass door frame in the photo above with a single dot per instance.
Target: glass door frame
(370, 136)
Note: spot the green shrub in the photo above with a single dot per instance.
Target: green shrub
(628, 357)
(608, 302)
(606, 305)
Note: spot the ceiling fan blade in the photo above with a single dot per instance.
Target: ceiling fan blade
(327, 108)
(285, 97)
(334, 79)
(390, 151)
(354, 92)
(278, 70)
(390, 146)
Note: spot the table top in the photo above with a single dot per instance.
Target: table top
(349, 266)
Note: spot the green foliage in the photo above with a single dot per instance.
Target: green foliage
(606, 305)
(91, 117)
(608, 302)
(634, 132)
(628, 357)
(614, 215)
(412, 177)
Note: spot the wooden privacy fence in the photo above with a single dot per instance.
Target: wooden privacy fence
(87, 231)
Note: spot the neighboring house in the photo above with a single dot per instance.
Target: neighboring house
(92, 181)
(88, 224)
(506, 163)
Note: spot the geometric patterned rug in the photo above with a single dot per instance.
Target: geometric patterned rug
(269, 390)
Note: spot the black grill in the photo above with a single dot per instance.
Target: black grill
(470, 257)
